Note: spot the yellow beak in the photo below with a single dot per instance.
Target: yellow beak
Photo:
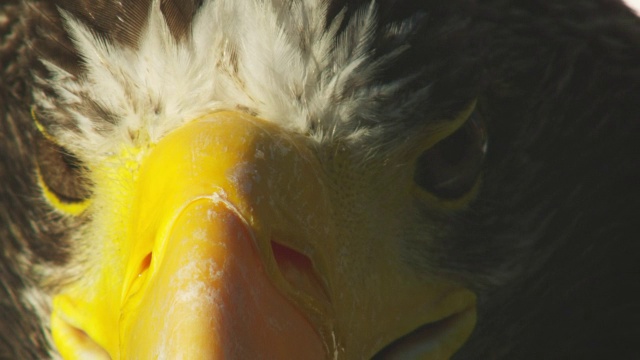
(223, 242)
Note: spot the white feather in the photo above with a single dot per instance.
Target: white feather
(291, 69)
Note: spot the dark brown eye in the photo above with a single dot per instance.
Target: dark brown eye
(60, 172)
(451, 167)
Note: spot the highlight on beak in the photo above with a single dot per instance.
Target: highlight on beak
(224, 243)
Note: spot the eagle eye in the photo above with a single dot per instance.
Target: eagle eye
(450, 169)
(61, 176)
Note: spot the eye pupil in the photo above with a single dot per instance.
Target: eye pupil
(451, 167)
(453, 149)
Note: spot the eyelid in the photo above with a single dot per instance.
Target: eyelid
(450, 126)
(41, 128)
(68, 206)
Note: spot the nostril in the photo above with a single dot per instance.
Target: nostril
(299, 271)
(137, 279)
(144, 265)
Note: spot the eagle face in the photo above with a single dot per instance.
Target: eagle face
(255, 179)
(319, 179)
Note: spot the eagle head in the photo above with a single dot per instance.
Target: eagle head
(308, 179)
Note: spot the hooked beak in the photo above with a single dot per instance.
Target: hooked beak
(222, 243)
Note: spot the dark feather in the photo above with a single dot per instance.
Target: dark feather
(21, 335)
(179, 15)
(560, 206)
(117, 21)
